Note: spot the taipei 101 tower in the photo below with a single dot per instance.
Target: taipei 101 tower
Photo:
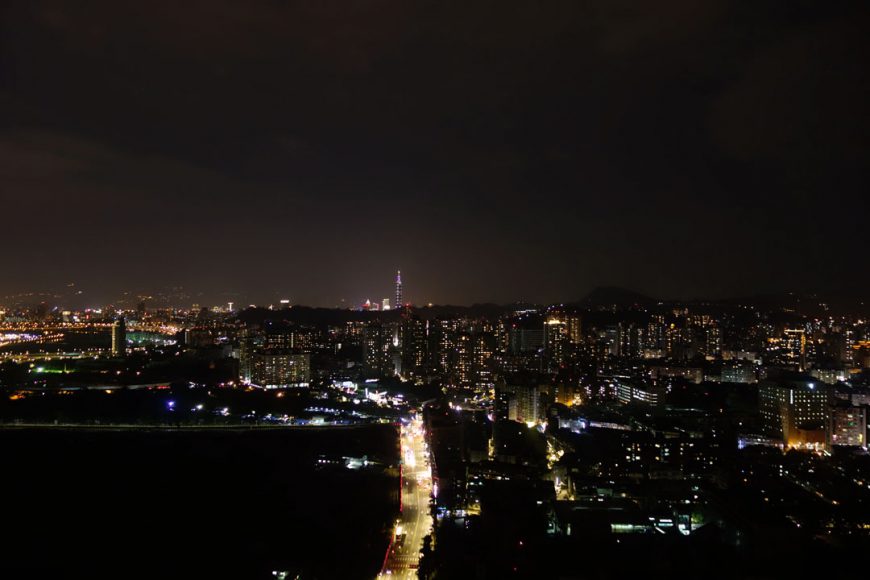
(399, 302)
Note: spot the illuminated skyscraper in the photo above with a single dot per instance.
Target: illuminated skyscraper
(413, 345)
(246, 356)
(795, 347)
(399, 302)
(472, 361)
(119, 338)
(556, 340)
(376, 343)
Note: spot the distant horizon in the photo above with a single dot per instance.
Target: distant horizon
(623, 294)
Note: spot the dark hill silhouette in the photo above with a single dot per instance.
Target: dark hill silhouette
(610, 296)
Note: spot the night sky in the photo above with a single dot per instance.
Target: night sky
(494, 151)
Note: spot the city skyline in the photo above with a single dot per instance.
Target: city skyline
(179, 297)
(621, 423)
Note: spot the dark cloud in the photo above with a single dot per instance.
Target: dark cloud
(493, 150)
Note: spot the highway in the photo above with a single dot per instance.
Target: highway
(415, 522)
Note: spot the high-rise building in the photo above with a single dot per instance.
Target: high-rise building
(797, 411)
(609, 341)
(794, 343)
(562, 334)
(712, 341)
(119, 338)
(246, 357)
(472, 361)
(629, 339)
(738, 372)
(655, 344)
(198, 337)
(502, 404)
(353, 332)
(413, 343)
(556, 340)
(567, 393)
(524, 339)
(463, 369)
(575, 329)
(528, 403)
(849, 426)
(522, 395)
(298, 338)
(281, 368)
(305, 339)
(278, 339)
(399, 297)
(848, 355)
(377, 341)
(828, 375)
(441, 338)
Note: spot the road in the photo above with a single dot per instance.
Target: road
(415, 522)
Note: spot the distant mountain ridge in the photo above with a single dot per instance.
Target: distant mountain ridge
(614, 296)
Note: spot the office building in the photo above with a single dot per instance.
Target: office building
(796, 411)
